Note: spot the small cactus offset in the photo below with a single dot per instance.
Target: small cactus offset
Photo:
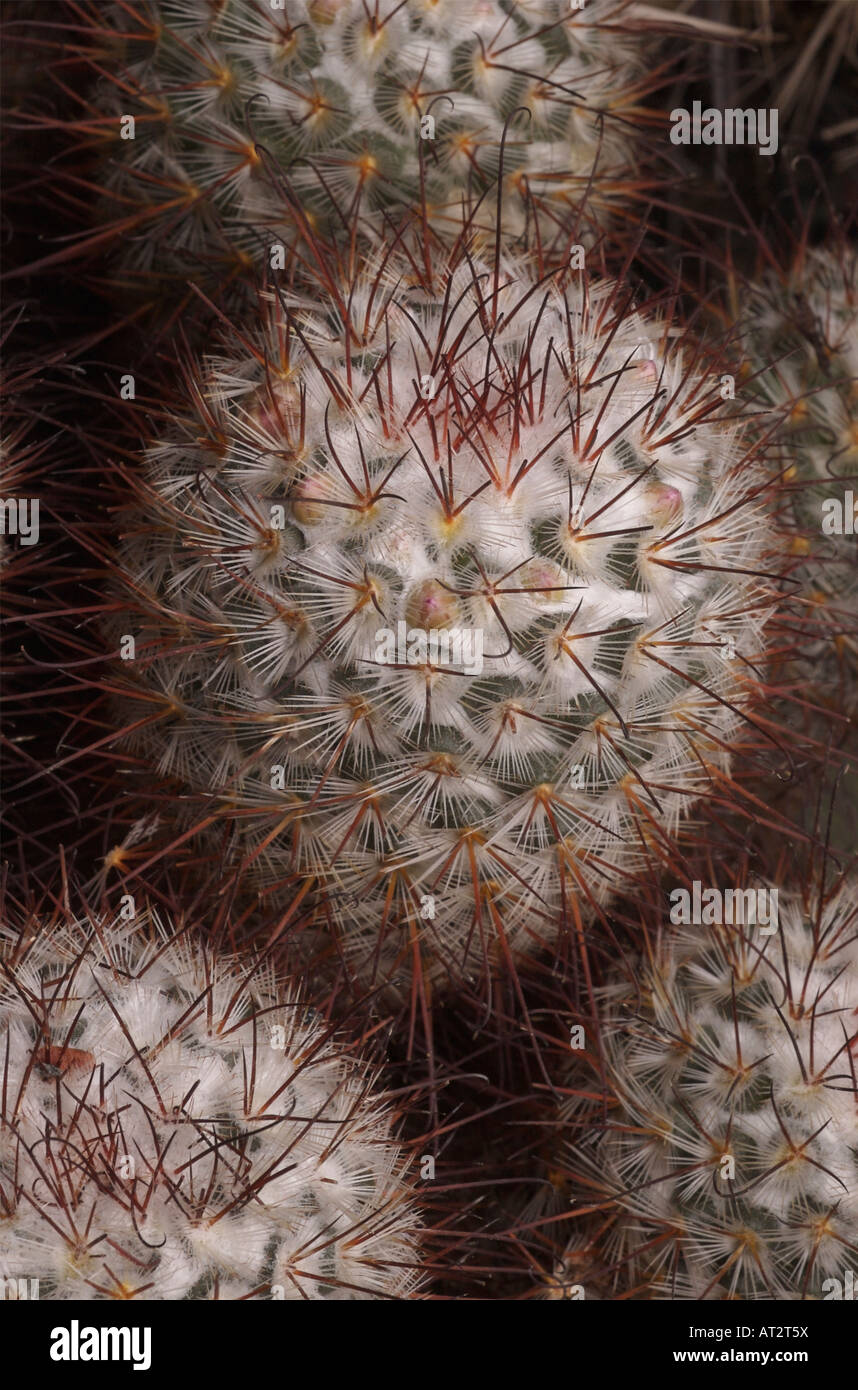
(447, 600)
(800, 333)
(730, 1156)
(212, 110)
(176, 1125)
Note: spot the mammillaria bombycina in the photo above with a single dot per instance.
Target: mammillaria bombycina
(730, 1155)
(207, 111)
(175, 1124)
(446, 599)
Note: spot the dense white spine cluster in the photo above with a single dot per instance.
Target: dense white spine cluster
(176, 1125)
(731, 1149)
(531, 463)
(402, 104)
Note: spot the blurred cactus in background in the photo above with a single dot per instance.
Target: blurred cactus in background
(212, 122)
(799, 331)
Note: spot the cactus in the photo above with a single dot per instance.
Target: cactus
(175, 1124)
(391, 107)
(528, 469)
(800, 332)
(730, 1158)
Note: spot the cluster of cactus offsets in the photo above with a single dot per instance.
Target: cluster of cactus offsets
(393, 107)
(444, 418)
(800, 334)
(448, 597)
(730, 1153)
(177, 1125)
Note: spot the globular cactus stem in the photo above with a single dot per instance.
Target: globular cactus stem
(469, 455)
(176, 1125)
(730, 1156)
(206, 111)
(799, 327)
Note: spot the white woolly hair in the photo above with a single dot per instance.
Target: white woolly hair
(178, 1125)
